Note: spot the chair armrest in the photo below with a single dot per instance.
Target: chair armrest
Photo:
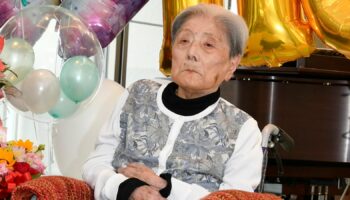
(239, 195)
(53, 188)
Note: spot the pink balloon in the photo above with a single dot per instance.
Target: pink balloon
(105, 17)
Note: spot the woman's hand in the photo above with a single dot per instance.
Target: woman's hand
(143, 173)
(145, 192)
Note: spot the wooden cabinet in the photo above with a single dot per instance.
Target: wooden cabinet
(311, 105)
(314, 108)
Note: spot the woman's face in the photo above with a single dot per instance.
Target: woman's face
(200, 58)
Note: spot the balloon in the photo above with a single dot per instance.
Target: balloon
(9, 8)
(52, 50)
(64, 107)
(24, 28)
(105, 17)
(170, 10)
(82, 130)
(41, 90)
(18, 54)
(15, 97)
(331, 22)
(75, 42)
(79, 78)
(277, 32)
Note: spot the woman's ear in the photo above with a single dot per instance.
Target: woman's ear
(234, 62)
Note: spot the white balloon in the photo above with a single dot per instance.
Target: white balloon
(18, 54)
(74, 138)
(18, 103)
(41, 90)
(15, 97)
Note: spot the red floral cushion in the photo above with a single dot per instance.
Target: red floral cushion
(53, 188)
(239, 195)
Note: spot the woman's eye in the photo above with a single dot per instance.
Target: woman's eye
(183, 41)
(209, 45)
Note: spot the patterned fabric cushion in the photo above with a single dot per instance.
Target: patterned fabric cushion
(239, 195)
(53, 188)
(66, 188)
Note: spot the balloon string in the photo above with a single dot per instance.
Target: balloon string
(21, 5)
(35, 128)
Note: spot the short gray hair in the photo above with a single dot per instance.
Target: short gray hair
(234, 25)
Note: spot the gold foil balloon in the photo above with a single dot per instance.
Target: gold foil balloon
(330, 20)
(277, 32)
(170, 10)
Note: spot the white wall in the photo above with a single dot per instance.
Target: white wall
(145, 40)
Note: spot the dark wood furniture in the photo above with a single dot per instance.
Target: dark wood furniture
(311, 105)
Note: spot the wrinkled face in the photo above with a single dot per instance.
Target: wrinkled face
(200, 57)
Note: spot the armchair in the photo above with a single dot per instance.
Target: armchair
(74, 138)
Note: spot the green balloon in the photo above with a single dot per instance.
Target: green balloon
(79, 78)
(63, 108)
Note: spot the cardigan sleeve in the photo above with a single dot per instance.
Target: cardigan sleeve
(243, 169)
(98, 171)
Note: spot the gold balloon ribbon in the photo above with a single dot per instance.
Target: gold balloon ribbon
(330, 20)
(170, 10)
(277, 32)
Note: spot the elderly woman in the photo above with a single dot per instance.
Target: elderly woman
(180, 140)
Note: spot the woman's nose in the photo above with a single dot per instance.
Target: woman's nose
(192, 52)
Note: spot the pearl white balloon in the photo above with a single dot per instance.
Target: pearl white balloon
(41, 90)
(18, 54)
(15, 97)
